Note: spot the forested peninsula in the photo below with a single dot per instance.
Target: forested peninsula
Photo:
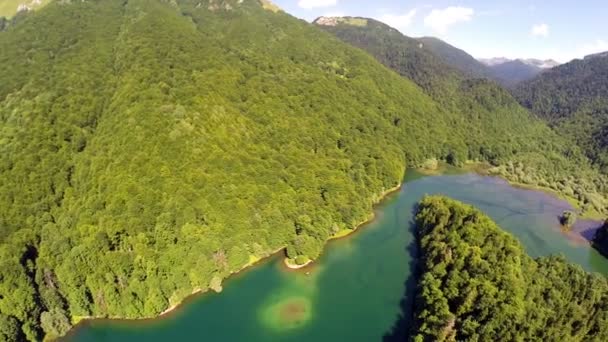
(478, 284)
(151, 148)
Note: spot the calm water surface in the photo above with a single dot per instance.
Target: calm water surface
(361, 288)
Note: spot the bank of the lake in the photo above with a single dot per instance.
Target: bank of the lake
(79, 321)
(291, 264)
(361, 287)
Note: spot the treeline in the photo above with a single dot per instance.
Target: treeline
(523, 149)
(478, 284)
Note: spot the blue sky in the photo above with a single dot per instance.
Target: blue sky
(560, 29)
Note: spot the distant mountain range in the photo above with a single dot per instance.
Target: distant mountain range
(507, 72)
(543, 64)
(510, 72)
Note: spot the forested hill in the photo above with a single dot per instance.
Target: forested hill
(150, 148)
(478, 284)
(484, 106)
(405, 55)
(573, 98)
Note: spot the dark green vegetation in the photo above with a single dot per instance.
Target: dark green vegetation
(600, 240)
(149, 149)
(573, 98)
(478, 284)
(488, 110)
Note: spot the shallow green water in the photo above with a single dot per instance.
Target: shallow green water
(360, 289)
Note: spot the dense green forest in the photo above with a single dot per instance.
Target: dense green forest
(478, 284)
(486, 108)
(150, 148)
(600, 240)
(573, 98)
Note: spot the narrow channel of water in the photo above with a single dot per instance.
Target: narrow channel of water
(360, 289)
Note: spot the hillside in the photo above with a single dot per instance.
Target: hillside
(484, 107)
(456, 58)
(478, 284)
(574, 99)
(151, 148)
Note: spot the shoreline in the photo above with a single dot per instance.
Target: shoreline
(347, 232)
(287, 262)
(287, 266)
(172, 309)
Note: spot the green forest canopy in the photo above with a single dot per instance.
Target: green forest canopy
(573, 98)
(478, 284)
(150, 148)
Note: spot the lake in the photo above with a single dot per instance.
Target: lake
(362, 286)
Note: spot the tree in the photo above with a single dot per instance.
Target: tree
(9, 329)
(55, 322)
(568, 218)
(3, 23)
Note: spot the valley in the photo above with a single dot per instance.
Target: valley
(219, 162)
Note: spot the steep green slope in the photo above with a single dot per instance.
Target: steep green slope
(573, 98)
(406, 56)
(478, 284)
(528, 152)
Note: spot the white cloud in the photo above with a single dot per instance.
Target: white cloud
(399, 22)
(441, 19)
(540, 30)
(309, 4)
